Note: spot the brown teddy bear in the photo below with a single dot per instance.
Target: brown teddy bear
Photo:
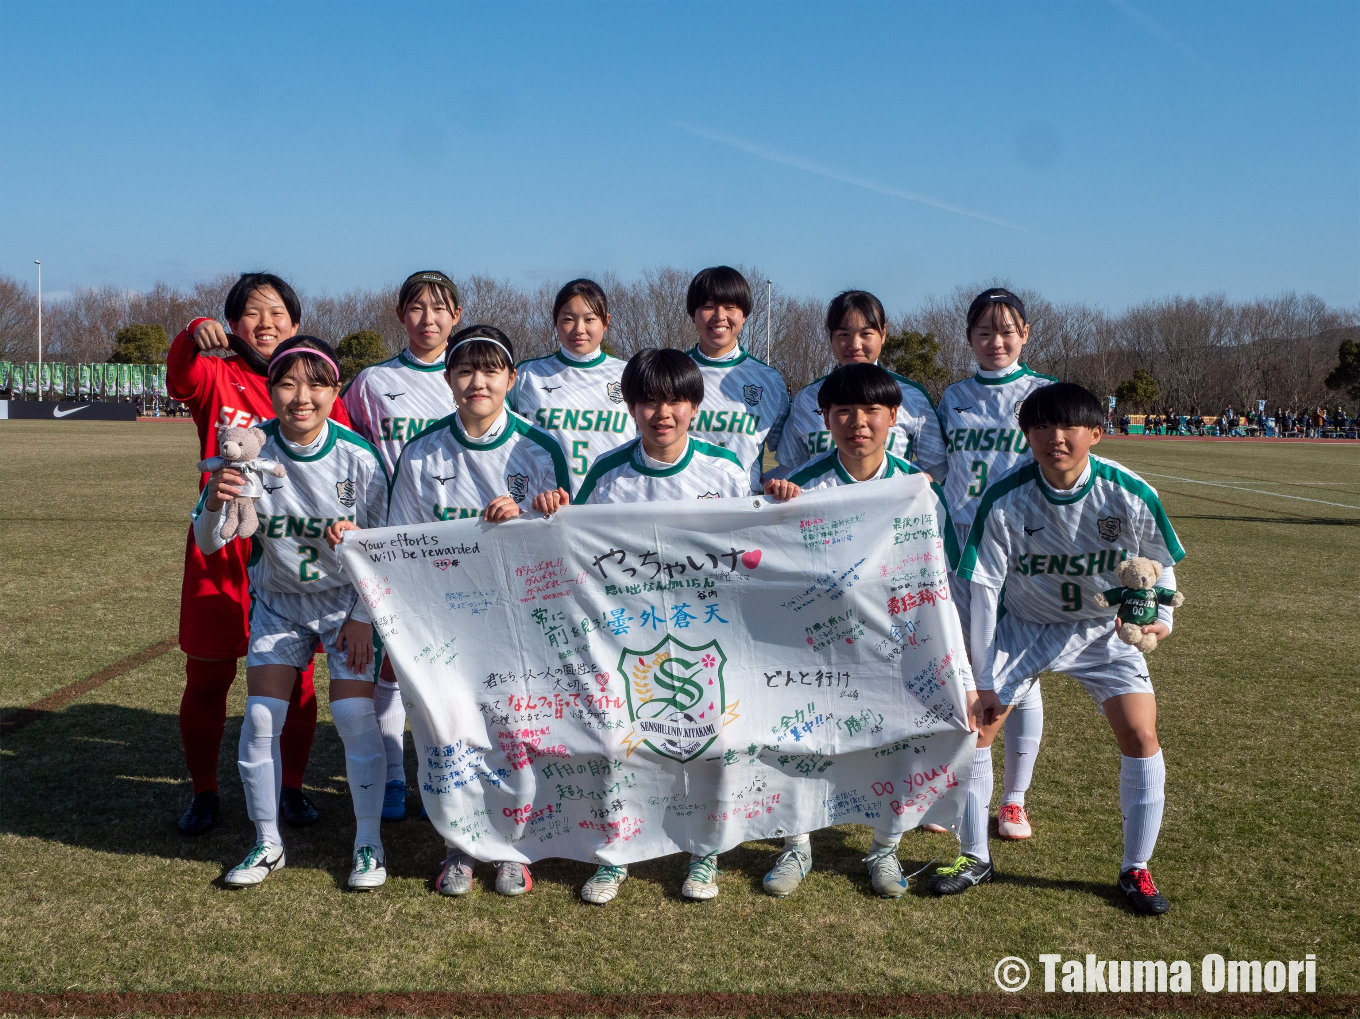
(240, 448)
(1138, 600)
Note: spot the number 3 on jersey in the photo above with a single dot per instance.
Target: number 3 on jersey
(979, 484)
(579, 464)
(306, 572)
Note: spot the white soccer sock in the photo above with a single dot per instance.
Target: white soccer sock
(803, 841)
(260, 765)
(1142, 795)
(973, 829)
(884, 841)
(365, 764)
(392, 724)
(1024, 730)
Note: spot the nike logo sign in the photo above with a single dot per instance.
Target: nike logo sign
(1033, 530)
(443, 481)
(549, 389)
(393, 396)
(57, 412)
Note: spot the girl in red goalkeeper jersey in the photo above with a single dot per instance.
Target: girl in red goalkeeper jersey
(262, 310)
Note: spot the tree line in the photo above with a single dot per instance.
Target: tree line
(1202, 352)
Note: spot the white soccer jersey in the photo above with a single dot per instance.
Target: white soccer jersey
(745, 404)
(444, 475)
(391, 403)
(980, 420)
(915, 436)
(827, 471)
(1050, 553)
(339, 477)
(578, 403)
(628, 474)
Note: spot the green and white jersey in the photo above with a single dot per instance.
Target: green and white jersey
(980, 420)
(745, 405)
(445, 475)
(392, 402)
(628, 474)
(827, 471)
(339, 476)
(915, 436)
(578, 403)
(1051, 552)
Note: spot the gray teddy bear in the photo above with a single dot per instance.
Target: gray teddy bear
(240, 448)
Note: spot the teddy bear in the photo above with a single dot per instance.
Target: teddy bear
(1138, 600)
(240, 448)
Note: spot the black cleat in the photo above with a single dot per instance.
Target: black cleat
(1142, 894)
(203, 813)
(961, 875)
(296, 809)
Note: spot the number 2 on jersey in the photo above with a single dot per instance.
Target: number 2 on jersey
(306, 571)
(579, 448)
(979, 484)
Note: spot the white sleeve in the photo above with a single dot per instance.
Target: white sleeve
(1168, 581)
(208, 528)
(982, 632)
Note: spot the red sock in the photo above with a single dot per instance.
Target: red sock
(202, 716)
(295, 743)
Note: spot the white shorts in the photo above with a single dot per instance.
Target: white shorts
(285, 629)
(1088, 650)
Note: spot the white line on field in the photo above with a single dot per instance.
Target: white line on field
(1258, 491)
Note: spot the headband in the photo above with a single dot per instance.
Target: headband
(305, 350)
(996, 296)
(477, 339)
(437, 278)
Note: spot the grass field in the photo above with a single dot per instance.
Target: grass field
(98, 891)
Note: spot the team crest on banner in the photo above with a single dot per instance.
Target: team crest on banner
(1109, 528)
(676, 697)
(344, 490)
(752, 394)
(518, 484)
(614, 390)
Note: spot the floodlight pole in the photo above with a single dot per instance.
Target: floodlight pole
(40, 392)
(769, 315)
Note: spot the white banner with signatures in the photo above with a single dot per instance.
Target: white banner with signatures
(617, 683)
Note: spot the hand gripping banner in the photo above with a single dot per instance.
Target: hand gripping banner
(617, 683)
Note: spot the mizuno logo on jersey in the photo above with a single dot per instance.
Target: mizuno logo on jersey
(985, 440)
(393, 396)
(444, 481)
(960, 410)
(725, 421)
(280, 525)
(1076, 564)
(1031, 531)
(569, 419)
(550, 389)
(402, 429)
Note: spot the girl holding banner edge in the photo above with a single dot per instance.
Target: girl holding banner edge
(480, 461)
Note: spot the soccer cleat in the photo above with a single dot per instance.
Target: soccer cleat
(701, 880)
(295, 809)
(603, 885)
(932, 826)
(263, 859)
(368, 870)
(1012, 822)
(1137, 886)
(961, 875)
(885, 873)
(788, 872)
(203, 813)
(513, 879)
(394, 801)
(455, 877)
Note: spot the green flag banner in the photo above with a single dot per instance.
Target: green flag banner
(31, 377)
(59, 379)
(138, 372)
(125, 380)
(83, 379)
(4, 374)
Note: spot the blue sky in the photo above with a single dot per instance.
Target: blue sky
(1104, 151)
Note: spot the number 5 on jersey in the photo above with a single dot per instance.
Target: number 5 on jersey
(579, 449)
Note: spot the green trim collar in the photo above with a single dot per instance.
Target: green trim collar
(1025, 371)
(600, 358)
(409, 360)
(708, 362)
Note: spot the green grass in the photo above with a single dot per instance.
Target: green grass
(99, 892)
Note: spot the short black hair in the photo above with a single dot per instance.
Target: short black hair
(661, 375)
(589, 291)
(990, 302)
(720, 284)
(320, 372)
(856, 300)
(235, 305)
(859, 383)
(482, 356)
(1061, 405)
